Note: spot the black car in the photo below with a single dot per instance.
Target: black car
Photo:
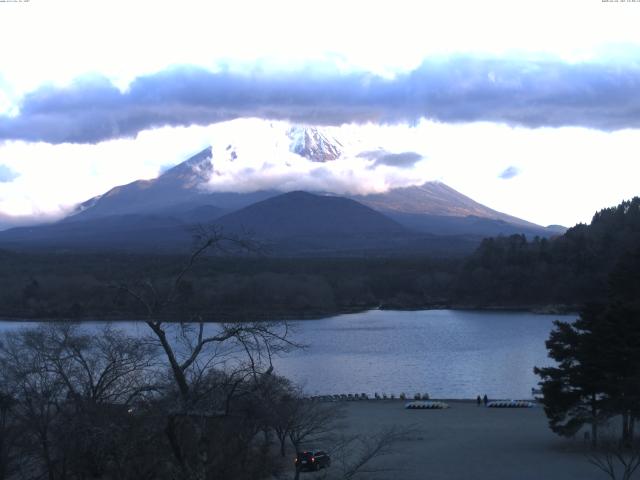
(312, 460)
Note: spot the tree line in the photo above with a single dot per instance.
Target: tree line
(81, 286)
(511, 271)
(571, 269)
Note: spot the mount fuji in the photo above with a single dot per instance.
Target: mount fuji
(218, 185)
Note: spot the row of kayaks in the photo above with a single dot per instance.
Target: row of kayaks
(420, 405)
(426, 405)
(510, 404)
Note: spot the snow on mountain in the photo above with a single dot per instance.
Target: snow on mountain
(193, 171)
(252, 140)
(314, 144)
(252, 154)
(250, 160)
(87, 204)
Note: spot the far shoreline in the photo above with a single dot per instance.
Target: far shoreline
(237, 317)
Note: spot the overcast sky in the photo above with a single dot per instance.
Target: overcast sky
(529, 107)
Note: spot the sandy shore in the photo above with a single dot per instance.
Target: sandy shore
(468, 442)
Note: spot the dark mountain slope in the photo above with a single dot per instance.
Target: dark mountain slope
(291, 224)
(302, 214)
(134, 233)
(179, 185)
(300, 223)
(431, 208)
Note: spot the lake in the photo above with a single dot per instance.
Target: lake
(447, 353)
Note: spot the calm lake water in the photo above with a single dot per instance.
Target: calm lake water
(447, 353)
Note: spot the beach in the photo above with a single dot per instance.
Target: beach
(465, 442)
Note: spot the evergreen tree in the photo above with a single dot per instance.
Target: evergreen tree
(573, 391)
(621, 341)
(598, 360)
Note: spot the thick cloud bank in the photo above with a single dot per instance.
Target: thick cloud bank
(252, 154)
(458, 89)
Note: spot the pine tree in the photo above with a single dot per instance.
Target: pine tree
(621, 342)
(573, 391)
(597, 375)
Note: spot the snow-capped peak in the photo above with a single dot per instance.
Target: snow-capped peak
(198, 167)
(312, 143)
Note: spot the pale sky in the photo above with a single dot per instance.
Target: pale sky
(529, 107)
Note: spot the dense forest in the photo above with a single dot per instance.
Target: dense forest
(504, 272)
(87, 286)
(570, 269)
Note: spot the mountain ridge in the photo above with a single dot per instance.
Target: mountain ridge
(291, 224)
(179, 184)
(423, 207)
(182, 196)
(433, 198)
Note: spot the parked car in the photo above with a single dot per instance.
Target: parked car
(312, 460)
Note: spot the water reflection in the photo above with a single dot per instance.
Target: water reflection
(451, 354)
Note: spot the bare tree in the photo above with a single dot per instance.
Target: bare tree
(292, 417)
(281, 405)
(357, 454)
(38, 396)
(72, 392)
(193, 351)
(305, 421)
(617, 459)
(103, 367)
(105, 373)
(8, 434)
(185, 402)
(311, 420)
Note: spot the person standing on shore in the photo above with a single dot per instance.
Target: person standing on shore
(485, 400)
(478, 400)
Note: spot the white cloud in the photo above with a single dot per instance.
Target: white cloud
(566, 174)
(264, 160)
(53, 178)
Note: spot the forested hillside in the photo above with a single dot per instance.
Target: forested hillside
(569, 269)
(504, 272)
(85, 286)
